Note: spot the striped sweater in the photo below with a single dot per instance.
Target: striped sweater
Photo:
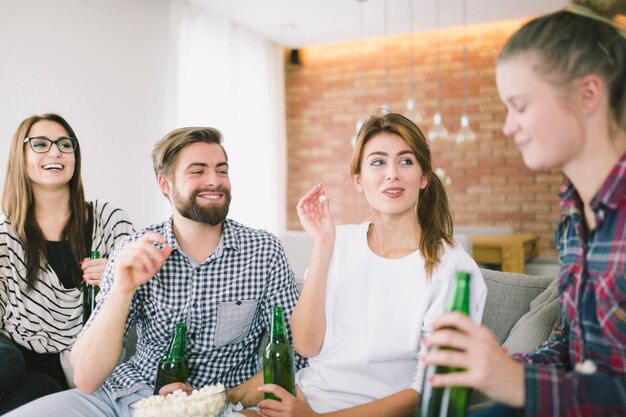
(48, 318)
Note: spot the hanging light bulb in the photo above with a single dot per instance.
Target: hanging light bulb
(358, 125)
(465, 134)
(438, 131)
(411, 110)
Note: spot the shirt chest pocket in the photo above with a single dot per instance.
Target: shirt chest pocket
(234, 319)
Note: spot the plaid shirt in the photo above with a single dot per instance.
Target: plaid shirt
(592, 327)
(225, 302)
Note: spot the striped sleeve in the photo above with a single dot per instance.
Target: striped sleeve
(111, 226)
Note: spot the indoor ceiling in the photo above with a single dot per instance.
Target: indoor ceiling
(298, 23)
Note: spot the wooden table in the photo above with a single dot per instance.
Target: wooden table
(510, 251)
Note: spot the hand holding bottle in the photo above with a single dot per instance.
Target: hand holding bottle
(93, 269)
(175, 386)
(288, 406)
(488, 367)
(139, 261)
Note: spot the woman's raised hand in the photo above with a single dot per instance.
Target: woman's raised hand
(315, 217)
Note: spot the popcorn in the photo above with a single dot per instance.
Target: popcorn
(322, 198)
(208, 401)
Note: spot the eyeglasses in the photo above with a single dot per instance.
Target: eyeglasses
(42, 144)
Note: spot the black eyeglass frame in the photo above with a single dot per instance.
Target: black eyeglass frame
(51, 142)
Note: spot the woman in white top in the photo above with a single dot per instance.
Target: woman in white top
(45, 242)
(373, 290)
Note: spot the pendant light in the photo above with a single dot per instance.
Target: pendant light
(386, 108)
(411, 110)
(360, 85)
(438, 131)
(465, 135)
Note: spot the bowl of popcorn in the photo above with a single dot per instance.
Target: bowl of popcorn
(208, 401)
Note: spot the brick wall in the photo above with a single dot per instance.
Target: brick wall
(490, 184)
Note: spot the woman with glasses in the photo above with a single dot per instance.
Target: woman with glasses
(45, 242)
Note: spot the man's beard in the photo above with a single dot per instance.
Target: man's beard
(190, 209)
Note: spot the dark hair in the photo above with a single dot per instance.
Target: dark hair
(166, 150)
(577, 41)
(18, 202)
(432, 210)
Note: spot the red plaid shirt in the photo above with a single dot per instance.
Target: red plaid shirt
(592, 326)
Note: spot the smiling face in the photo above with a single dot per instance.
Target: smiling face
(53, 169)
(541, 118)
(390, 176)
(200, 187)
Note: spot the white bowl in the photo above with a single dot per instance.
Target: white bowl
(208, 401)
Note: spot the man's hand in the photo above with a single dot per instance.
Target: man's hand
(174, 386)
(247, 393)
(139, 261)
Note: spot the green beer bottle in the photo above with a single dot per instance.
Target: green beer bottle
(278, 366)
(173, 367)
(89, 293)
(447, 401)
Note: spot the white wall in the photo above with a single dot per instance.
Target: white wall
(232, 79)
(108, 68)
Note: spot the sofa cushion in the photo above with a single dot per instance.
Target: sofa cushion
(508, 298)
(534, 327)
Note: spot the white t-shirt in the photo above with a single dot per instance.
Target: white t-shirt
(377, 312)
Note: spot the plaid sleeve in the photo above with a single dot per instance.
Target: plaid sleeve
(283, 291)
(554, 352)
(553, 392)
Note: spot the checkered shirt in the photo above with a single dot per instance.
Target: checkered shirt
(592, 327)
(225, 302)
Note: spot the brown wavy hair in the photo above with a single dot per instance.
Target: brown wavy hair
(432, 210)
(18, 202)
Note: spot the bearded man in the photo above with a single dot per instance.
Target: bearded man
(200, 268)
